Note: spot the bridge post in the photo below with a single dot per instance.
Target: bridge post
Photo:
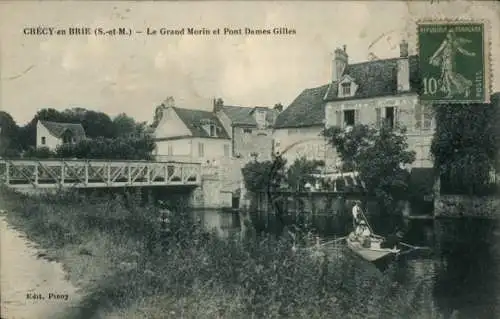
(86, 171)
(148, 173)
(63, 170)
(36, 173)
(129, 174)
(7, 173)
(108, 172)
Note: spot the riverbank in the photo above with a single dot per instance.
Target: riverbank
(31, 287)
(110, 249)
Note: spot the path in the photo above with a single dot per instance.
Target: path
(24, 277)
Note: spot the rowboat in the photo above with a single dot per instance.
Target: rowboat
(374, 251)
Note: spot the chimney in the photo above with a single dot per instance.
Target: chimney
(218, 104)
(169, 102)
(340, 61)
(278, 107)
(403, 68)
(403, 49)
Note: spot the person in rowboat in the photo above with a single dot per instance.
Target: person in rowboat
(363, 234)
(356, 213)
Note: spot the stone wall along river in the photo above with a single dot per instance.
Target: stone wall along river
(31, 288)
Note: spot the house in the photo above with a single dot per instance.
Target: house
(52, 134)
(250, 129)
(361, 93)
(189, 135)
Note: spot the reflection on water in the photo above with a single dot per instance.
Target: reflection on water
(463, 270)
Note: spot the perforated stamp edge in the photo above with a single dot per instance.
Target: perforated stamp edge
(488, 74)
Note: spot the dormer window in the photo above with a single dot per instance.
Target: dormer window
(346, 89)
(260, 118)
(212, 130)
(347, 86)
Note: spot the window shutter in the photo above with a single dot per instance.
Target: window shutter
(356, 117)
(338, 116)
(418, 116)
(396, 116)
(378, 116)
(427, 116)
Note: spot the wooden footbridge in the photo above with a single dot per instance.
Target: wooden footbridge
(96, 173)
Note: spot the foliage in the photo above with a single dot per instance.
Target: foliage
(349, 143)
(9, 144)
(260, 176)
(299, 173)
(129, 148)
(120, 138)
(378, 155)
(40, 152)
(126, 126)
(196, 274)
(95, 124)
(465, 145)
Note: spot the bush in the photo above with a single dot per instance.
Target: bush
(40, 152)
(126, 148)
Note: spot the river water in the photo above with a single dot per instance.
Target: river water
(462, 269)
(31, 288)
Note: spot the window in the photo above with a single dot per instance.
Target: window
(349, 117)
(346, 89)
(226, 150)
(247, 130)
(212, 130)
(390, 116)
(201, 150)
(43, 140)
(170, 150)
(423, 117)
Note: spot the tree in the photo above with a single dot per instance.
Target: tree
(378, 155)
(300, 172)
(348, 143)
(465, 146)
(261, 176)
(125, 125)
(9, 136)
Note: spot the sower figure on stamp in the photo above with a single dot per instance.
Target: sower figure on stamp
(451, 82)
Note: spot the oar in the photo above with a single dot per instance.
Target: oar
(334, 240)
(416, 247)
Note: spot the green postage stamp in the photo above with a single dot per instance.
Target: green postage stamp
(454, 61)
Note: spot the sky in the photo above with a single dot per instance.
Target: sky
(136, 73)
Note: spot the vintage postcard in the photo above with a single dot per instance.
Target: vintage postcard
(249, 159)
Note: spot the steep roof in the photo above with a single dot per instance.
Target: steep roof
(241, 115)
(307, 109)
(194, 121)
(374, 78)
(57, 129)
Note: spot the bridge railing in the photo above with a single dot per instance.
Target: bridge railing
(96, 173)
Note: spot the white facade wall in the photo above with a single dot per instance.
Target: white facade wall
(43, 135)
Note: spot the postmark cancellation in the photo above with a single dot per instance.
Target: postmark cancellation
(454, 61)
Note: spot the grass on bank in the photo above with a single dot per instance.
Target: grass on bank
(111, 249)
